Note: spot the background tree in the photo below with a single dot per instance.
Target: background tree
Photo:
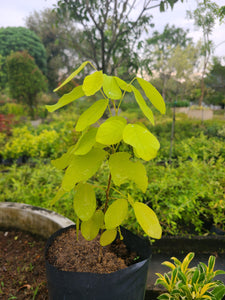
(57, 41)
(110, 31)
(215, 80)
(205, 16)
(18, 39)
(25, 79)
(158, 51)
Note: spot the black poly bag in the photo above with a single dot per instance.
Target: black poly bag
(126, 284)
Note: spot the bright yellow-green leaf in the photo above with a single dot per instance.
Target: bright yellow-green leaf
(58, 195)
(122, 169)
(143, 106)
(63, 162)
(111, 131)
(99, 218)
(108, 237)
(90, 228)
(116, 213)
(75, 94)
(92, 114)
(82, 168)
(130, 200)
(92, 83)
(77, 71)
(111, 88)
(86, 142)
(148, 220)
(153, 95)
(123, 85)
(145, 143)
(84, 201)
(169, 265)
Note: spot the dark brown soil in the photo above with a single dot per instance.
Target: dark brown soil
(68, 254)
(22, 266)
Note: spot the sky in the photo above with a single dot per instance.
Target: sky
(14, 13)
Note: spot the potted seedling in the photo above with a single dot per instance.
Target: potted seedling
(100, 142)
(185, 282)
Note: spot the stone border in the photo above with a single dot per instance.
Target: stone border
(30, 218)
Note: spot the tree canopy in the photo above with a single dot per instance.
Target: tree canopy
(18, 39)
(110, 31)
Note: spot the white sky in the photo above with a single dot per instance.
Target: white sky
(14, 13)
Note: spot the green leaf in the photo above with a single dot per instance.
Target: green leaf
(63, 162)
(58, 195)
(148, 220)
(92, 83)
(82, 168)
(111, 131)
(123, 85)
(219, 292)
(84, 201)
(111, 88)
(122, 170)
(86, 142)
(77, 71)
(153, 95)
(143, 106)
(116, 213)
(145, 144)
(108, 237)
(90, 228)
(75, 94)
(92, 114)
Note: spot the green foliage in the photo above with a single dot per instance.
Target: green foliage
(96, 145)
(23, 142)
(184, 282)
(15, 39)
(25, 79)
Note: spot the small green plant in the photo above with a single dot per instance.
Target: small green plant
(183, 282)
(101, 142)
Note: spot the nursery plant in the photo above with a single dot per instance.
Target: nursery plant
(185, 282)
(100, 142)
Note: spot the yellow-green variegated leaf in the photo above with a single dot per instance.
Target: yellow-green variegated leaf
(122, 170)
(108, 237)
(92, 114)
(90, 228)
(143, 106)
(68, 79)
(82, 168)
(75, 94)
(111, 131)
(86, 142)
(92, 83)
(153, 95)
(63, 161)
(123, 85)
(116, 213)
(111, 88)
(84, 201)
(143, 141)
(148, 220)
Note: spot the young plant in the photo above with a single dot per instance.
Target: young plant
(183, 282)
(98, 143)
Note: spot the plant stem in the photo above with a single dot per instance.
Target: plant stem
(107, 193)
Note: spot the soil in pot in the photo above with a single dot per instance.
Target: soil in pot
(69, 254)
(22, 266)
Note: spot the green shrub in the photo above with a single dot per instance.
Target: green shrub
(184, 282)
(25, 79)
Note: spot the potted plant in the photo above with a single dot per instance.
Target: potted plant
(100, 144)
(184, 282)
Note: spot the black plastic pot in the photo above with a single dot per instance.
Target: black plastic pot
(126, 284)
